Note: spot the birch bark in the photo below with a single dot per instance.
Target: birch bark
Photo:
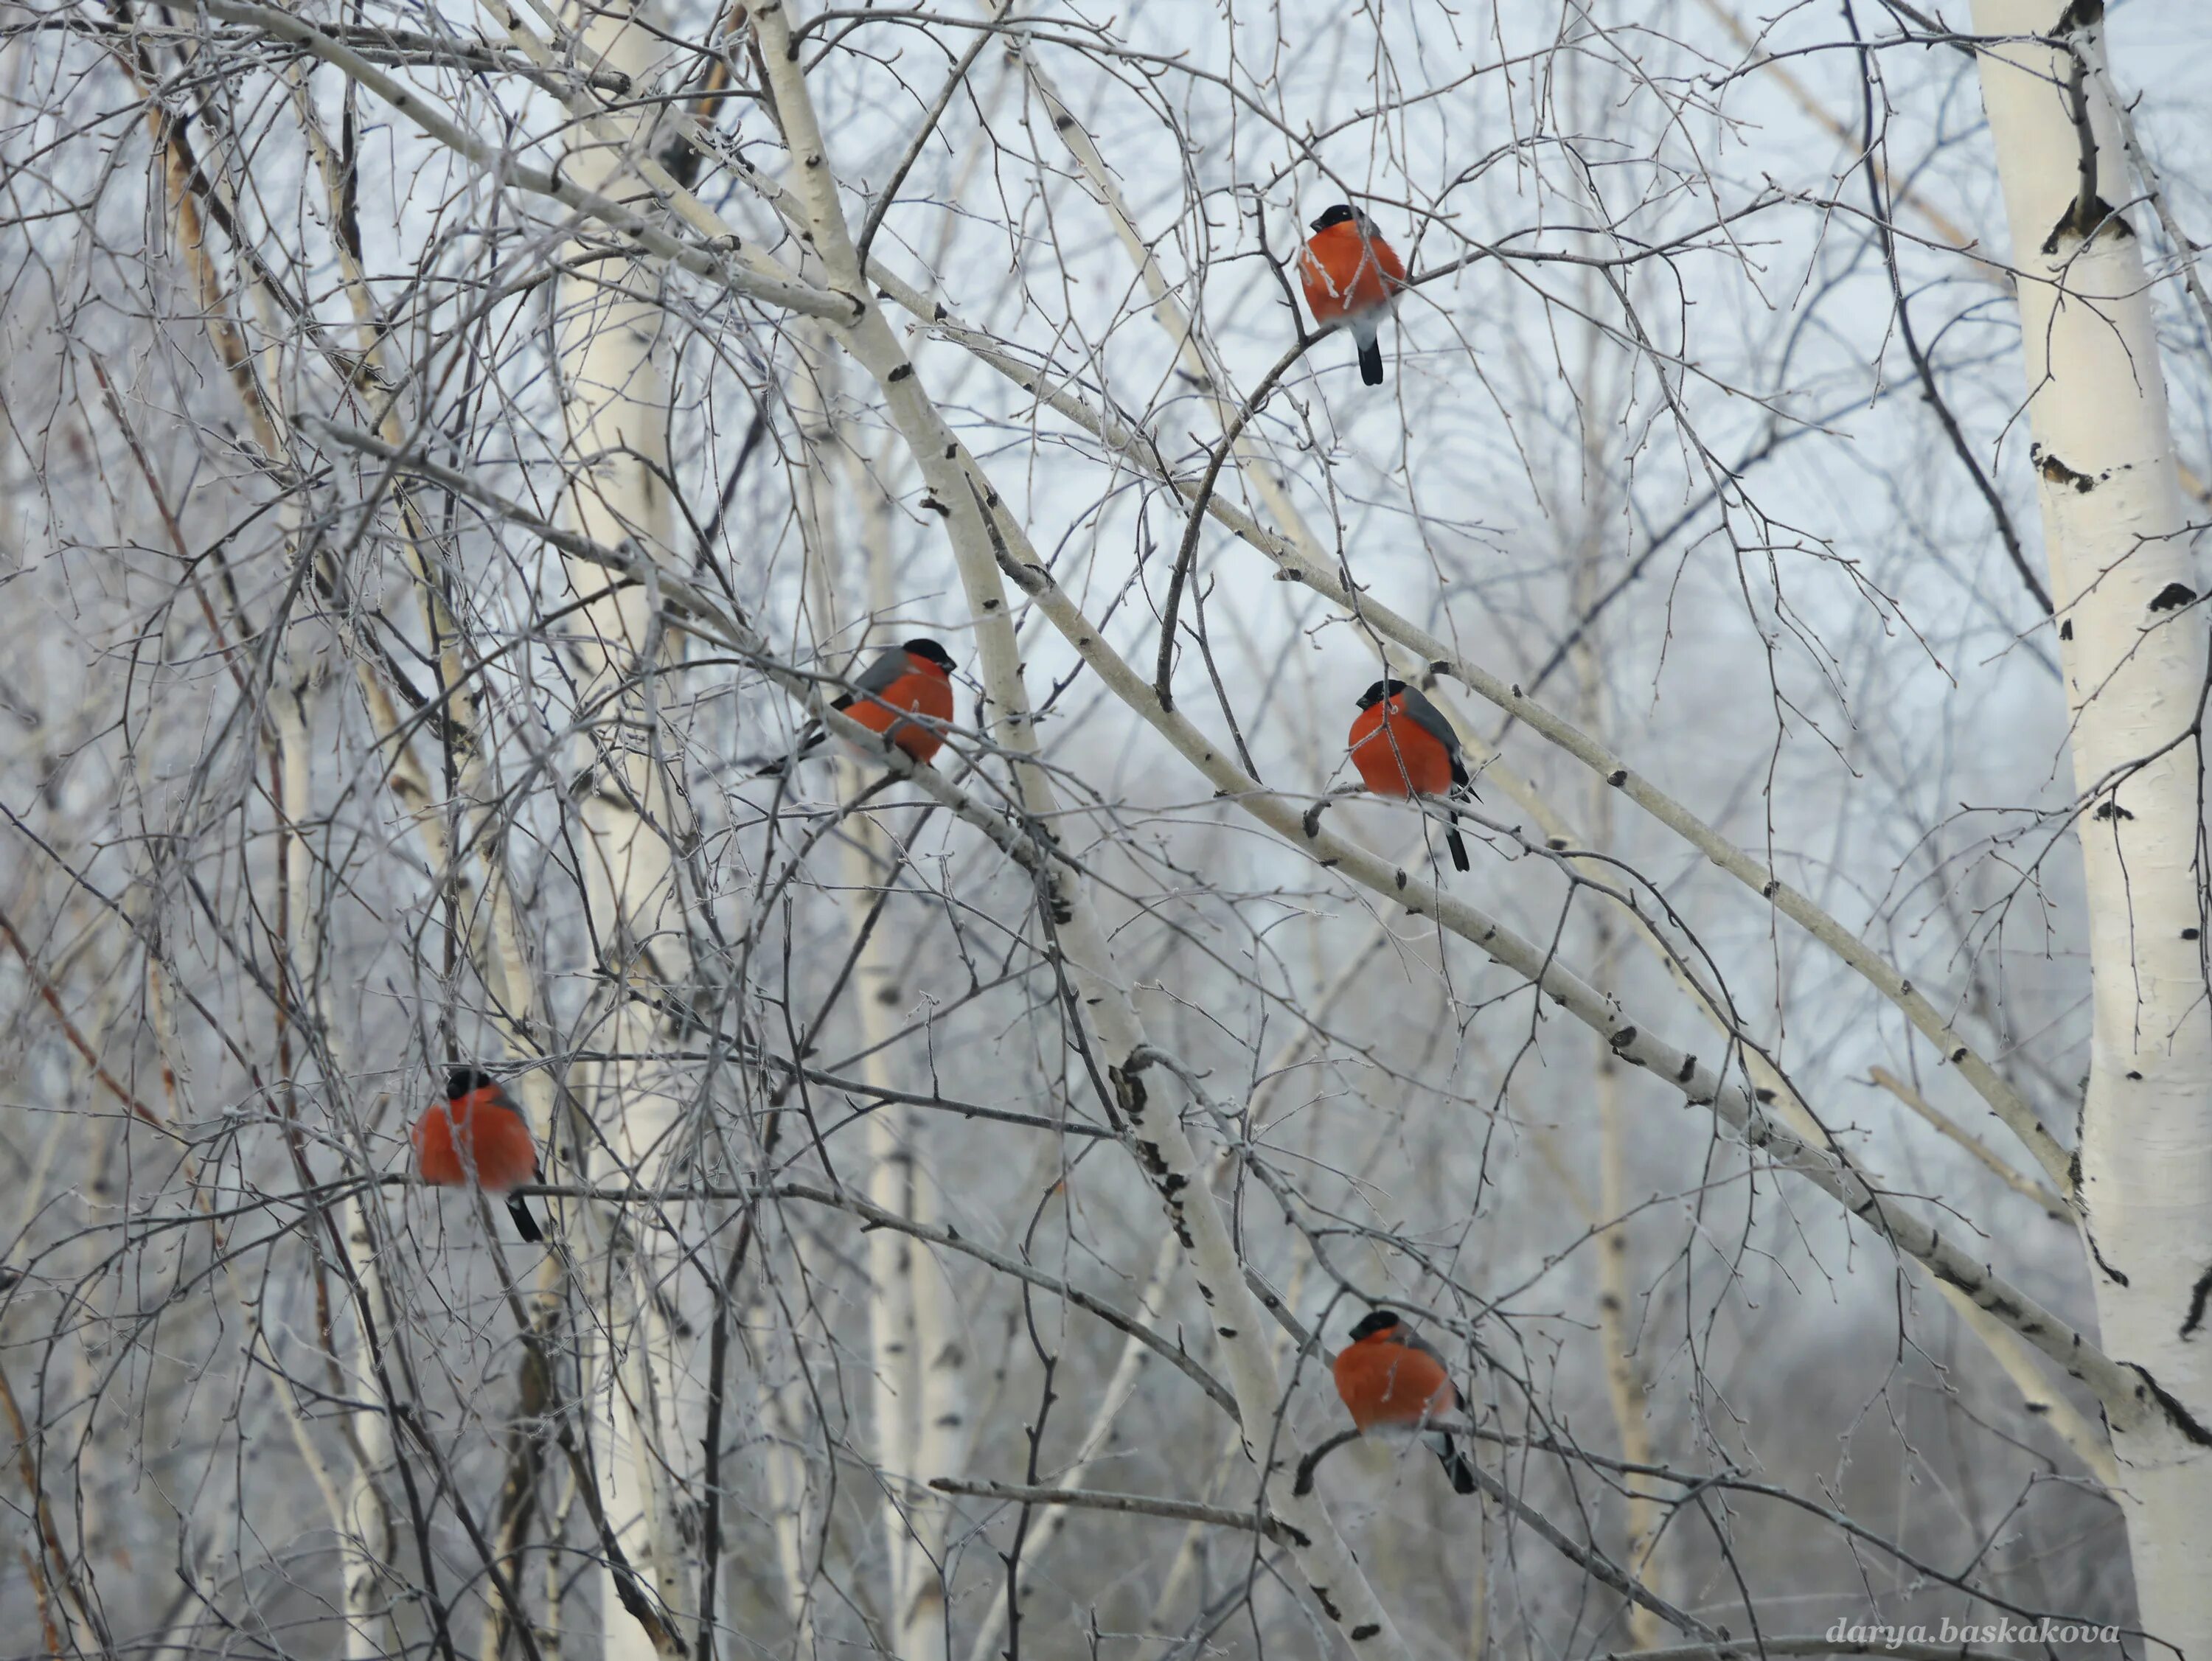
(615, 395)
(909, 1315)
(2132, 644)
(362, 1512)
(782, 1408)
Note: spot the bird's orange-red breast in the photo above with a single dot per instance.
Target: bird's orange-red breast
(910, 680)
(1389, 1378)
(1402, 746)
(477, 1134)
(1351, 275)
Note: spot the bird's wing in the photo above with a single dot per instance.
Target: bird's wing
(1414, 1340)
(1430, 720)
(878, 676)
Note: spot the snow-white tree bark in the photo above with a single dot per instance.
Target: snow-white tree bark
(615, 391)
(919, 1363)
(2133, 643)
(782, 1410)
(363, 1513)
(943, 1428)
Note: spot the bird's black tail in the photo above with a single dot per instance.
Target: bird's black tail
(1371, 361)
(1455, 1462)
(525, 1224)
(1461, 790)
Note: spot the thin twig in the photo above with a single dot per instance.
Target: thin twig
(2048, 1200)
(1930, 387)
(1138, 1505)
(1164, 675)
(52, 999)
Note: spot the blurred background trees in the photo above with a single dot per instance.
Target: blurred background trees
(452, 451)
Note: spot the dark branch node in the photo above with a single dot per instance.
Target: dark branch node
(2058, 472)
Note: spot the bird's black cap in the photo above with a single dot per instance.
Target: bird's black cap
(1381, 689)
(1375, 1320)
(1341, 214)
(925, 647)
(466, 1080)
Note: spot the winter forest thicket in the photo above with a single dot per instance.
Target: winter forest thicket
(454, 458)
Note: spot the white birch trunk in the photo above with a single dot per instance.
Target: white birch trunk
(365, 1518)
(940, 1447)
(942, 1356)
(616, 399)
(932, 1404)
(783, 1414)
(895, 1261)
(359, 1509)
(2133, 649)
(1624, 1379)
(941, 1405)
(894, 1377)
(895, 1384)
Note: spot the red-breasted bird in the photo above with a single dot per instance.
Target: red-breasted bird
(1352, 276)
(477, 1134)
(1390, 1378)
(905, 681)
(1403, 745)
